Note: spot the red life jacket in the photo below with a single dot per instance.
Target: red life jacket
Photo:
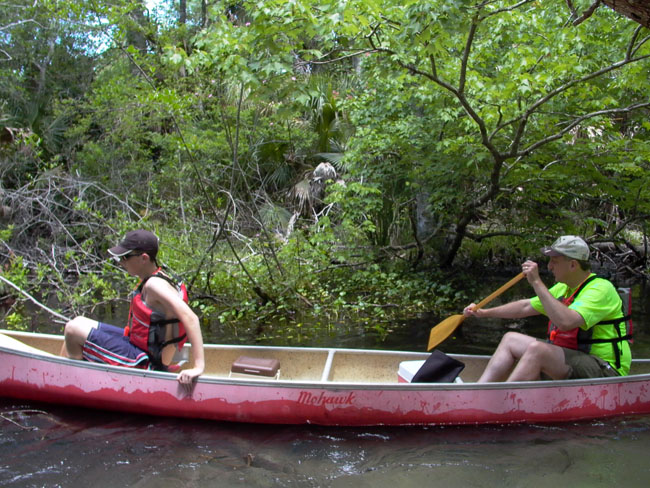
(580, 339)
(147, 328)
(567, 338)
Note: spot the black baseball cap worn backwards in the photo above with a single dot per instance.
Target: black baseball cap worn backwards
(136, 240)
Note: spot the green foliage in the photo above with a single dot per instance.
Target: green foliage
(352, 291)
(5, 234)
(17, 321)
(44, 58)
(16, 272)
(462, 132)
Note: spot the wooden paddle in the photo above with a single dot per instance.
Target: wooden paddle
(444, 329)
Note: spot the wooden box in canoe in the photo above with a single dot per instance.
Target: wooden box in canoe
(324, 386)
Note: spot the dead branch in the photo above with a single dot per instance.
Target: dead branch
(56, 314)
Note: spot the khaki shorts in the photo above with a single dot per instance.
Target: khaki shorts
(583, 365)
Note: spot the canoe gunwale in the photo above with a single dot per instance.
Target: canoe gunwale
(346, 385)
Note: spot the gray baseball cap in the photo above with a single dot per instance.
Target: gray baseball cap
(572, 247)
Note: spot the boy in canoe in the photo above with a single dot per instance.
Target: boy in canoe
(160, 320)
(587, 331)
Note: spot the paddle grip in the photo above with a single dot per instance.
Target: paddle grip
(488, 299)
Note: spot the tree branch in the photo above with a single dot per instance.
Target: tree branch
(341, 58)
(572, 9)
(587, 77)
(523, 119)
(20, 22)
(587, 13)
(505, 9)
(56, 314)
(465, 58)
(577, 122)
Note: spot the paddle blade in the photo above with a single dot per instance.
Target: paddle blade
(443, 330)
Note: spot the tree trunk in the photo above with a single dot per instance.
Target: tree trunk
(204, 14)
(637, 10)
(135, 36)
(182, 12)
(425, 224)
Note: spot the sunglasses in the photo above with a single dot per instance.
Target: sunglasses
(126, 257)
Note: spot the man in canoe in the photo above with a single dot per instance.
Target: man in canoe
(160, 320)
(587, 331)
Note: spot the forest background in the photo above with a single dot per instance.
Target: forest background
(311, 162)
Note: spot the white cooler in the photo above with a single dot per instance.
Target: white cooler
(407, 370)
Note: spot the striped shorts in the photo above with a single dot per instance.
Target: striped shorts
(108, 344)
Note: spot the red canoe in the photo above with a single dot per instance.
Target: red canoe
(282, 385)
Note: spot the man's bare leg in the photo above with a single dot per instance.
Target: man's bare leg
(541, 357)
(512, 347)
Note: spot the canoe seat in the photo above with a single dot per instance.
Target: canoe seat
(246, 367)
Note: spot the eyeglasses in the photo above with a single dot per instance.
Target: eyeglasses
(126, 257)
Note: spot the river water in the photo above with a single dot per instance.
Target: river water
(67, 447)
(50, 446)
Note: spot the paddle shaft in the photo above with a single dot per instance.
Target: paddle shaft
(488, 299)
(445, 328)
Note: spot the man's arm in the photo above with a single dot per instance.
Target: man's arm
(513, 310)
(562, 316)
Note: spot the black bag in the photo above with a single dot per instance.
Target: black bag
(439, 368)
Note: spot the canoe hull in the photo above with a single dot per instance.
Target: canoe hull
(51, 379)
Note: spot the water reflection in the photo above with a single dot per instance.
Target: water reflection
(69, 447)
